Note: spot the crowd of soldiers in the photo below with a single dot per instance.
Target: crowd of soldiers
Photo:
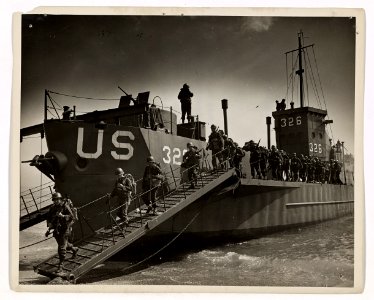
(282, 165)
(291, 167)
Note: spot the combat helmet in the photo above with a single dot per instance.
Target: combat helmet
(150, 159)
(189, 144)
(119, 171)
(56, 196)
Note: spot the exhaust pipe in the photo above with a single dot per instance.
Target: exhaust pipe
(268, 123)
(224, 107)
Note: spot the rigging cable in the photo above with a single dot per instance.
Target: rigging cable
(80, 97)
(286, 78)
(38, 242)
(292, 78)
(319, 78)
(306, 80)
(314, 82)
(315, 91)
(52, 113)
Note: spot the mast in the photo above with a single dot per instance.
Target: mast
(300, 71)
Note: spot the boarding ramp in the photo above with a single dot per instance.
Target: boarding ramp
(35, 204)
(103, 243)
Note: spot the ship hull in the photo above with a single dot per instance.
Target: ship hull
(254, 206)
(258, 207)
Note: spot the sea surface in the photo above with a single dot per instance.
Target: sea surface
(319, 255)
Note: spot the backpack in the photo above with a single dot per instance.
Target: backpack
(72, 210)
(132, 182)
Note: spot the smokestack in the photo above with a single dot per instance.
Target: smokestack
(224, 107)
(268, 123)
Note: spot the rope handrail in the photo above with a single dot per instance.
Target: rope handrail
(141, 179)
(138, 196)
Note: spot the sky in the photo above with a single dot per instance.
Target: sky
(237, 58)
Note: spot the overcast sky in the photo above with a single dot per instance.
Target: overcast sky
(238, 58)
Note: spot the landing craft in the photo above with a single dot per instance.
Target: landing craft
(84, 150)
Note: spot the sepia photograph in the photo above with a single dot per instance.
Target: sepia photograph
(190, 149)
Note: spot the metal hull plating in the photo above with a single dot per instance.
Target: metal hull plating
(261, 206)
(255, 206)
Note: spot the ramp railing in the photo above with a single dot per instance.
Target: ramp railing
(176, 185)
(99, 244)
(35, 199)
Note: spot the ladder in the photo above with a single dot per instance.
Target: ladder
(109, 240)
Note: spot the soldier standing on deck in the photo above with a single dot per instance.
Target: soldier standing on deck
(304, 167)
(123, 188)
(152, 179)
(275, 162)
(60, 218)
(191, 160)
(254, 158)
(185, 96)
(295, 167)
(215, 143)
(237, 159)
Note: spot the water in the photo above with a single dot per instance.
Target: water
(314, 256)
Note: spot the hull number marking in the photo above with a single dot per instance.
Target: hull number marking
(290, 121)
(315, 148)
(175, 156)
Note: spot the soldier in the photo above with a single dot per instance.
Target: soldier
(277, 105)
(286, 164)
(338, 169)
(215, 143)
(283, 104)
(185, 98)
(123, 188)
(66, 113)
(152, 179)
(332, 172)
(304, 167)
(275, 161)
(318, 170)
(264, 155)
(295, 167)
(229, 149)
(237, 159)
(60, 218)
(254, 159)
(191, 160)
(312, 170)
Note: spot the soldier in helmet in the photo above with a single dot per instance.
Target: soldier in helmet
(237, 159)
(295, 167)
(191, 160)
(304, 167)
(185, 96)
(152, 179)
(66, 113)
(60, 219)
(123, 188)
(275, 162)
(215, 143)
(254, 158)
